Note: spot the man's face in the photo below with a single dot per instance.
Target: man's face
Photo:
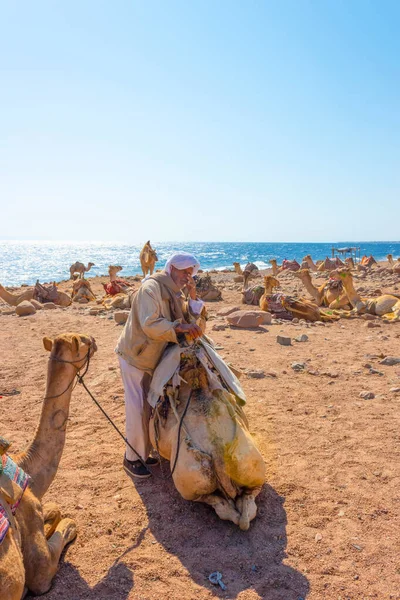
(181, 277)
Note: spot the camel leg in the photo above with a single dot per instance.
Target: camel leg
(41, 556)
(12, 572)
(224, 509)
(51, 518)
(247, 507)
(45, 556)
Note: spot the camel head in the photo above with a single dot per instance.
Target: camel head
(114, 269)
(90, 265)
(341, 275)
(302, 274)
(74, 347)
(390, 258)
(273, 262)
(270, 283)
(238, 269)
(307, 258)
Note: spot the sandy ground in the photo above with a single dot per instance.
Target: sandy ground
(328, 517)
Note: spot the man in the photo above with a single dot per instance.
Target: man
(156, 318)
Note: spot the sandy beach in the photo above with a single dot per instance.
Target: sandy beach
(328, 517)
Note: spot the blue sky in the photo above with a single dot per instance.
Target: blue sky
(227, 121)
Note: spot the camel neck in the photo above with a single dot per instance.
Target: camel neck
(43, 456)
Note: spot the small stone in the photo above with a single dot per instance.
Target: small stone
(79, 507)
(390, 361)
(318, 537)
(302, 338)
(36, 304)
(284, 341)
(297, 366)
(371, 324)
(49, 306)
(256, 374)
(367, 395)
(94, 311)
(373, 371)
(219, 327)
(395, 390)
(25, 308)
(121, 316)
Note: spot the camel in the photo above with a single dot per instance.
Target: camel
(384, 305)
(201, 429)
(285, 307)
(349, 263)
(113, 270)
(310, 263)
(116, 285)
(238, 268)
(289, 265)
(329, 294)
(148, 258)
(250, 271)
(275, 268)
(254, 294)
(330, 264)
(368, 261)
(394, 265)
(119, 293)
(32, 546)
(206, 290)
(82, 292)
(15, 299)
(80, 268)
(61, 299)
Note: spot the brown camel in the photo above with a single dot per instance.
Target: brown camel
(201, 429)
(310, 263)
(207, 290)
(275, 268)
(330, 264)
(62, 298)
(82, 292)
(368, 261)
(384, 305)
(270, 283)
(287, 307)
(148, 258)
(31, 549)
(330, 293)
(15, 299)
(80, 268)
(238, 268)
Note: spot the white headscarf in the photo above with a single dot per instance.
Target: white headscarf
(182, 260)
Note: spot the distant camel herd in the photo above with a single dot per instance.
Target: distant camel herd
(329, 300)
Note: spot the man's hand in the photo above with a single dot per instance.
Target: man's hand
(191, 287)
(190, 329)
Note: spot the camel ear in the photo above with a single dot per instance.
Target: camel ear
(75, 343)
(47, 343)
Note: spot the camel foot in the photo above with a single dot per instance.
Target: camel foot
(247, 508)
(68, 530)
(222, 507)
(51, 518)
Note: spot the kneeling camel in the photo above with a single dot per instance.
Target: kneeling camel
(37, 535)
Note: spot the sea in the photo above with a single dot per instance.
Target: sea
(25, 262)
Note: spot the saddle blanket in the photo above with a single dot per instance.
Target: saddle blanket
(13, 483)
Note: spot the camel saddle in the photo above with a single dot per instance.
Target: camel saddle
(252, 295)
(45, 293)
(13, 483)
